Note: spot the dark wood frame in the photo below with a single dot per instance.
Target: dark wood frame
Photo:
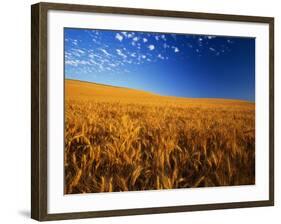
(39, 110)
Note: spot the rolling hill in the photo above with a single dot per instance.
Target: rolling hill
(81, 90)
(121, 139)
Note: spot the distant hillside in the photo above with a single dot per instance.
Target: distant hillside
(78, 89)
(81, 90)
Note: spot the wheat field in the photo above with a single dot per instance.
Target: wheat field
(119, 139)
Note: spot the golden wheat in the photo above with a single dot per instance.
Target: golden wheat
(118, 139)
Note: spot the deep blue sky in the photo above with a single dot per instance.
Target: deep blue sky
(182, 65)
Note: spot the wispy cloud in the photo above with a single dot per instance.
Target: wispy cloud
(124, 34)
(130, 35)
(119, 37)
(74, 42)
(120, 53)
(161, 56)
(80, 51)
(99, 53)
(176, 49)
(77, 62)
(104, 51)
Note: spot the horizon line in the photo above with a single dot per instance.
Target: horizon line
(151, 92)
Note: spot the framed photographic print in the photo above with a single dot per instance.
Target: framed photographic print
(138, 111)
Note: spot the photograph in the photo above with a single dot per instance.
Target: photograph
(150, 110)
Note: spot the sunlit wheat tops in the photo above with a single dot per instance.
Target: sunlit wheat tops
(119, 139)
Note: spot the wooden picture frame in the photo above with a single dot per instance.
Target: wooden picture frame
(39, 110)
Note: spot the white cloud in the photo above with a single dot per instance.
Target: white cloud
(75, 42)
(119, 37)
(68, 54)
(212, 49)
(95, 32)
(95, 40)
(104, 51)
(176, 49)
(94, 62)
(120, 53)
(144, 40)
(130, 35)
(143, 56)
(77, 62)
(91, 55)
(124, 34)
(75, 53)
(80, 51)
(151, 47)
(101, 68)
(71, 62)
(156, 37)
(135, 39)
(112, 65)
(84, 62)
(160, 56)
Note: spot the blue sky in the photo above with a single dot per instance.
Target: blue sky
(184, 65)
